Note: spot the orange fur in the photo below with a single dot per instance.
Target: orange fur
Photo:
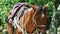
(28, 22)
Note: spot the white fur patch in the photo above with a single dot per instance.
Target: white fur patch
(42, 15)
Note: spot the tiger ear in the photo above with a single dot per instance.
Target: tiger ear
(45, 6)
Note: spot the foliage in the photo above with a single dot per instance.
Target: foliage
(5, 6)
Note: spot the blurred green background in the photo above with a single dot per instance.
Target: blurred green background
(6, 6)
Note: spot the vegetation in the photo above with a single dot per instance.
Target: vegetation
(6, 6)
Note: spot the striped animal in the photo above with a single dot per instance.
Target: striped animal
(27, 19)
